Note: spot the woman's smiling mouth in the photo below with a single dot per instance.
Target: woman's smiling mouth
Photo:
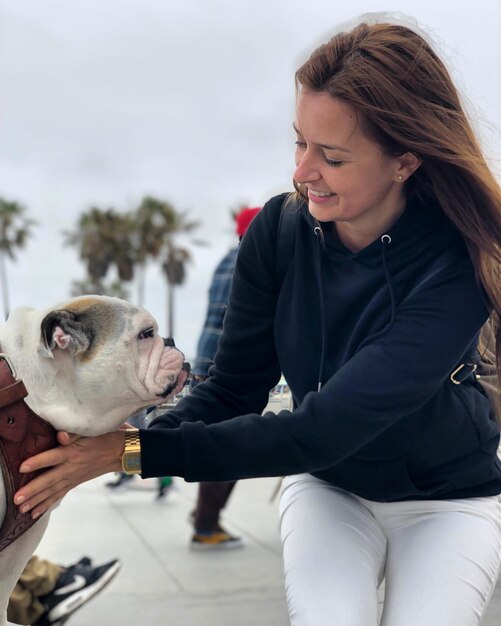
(320, 196)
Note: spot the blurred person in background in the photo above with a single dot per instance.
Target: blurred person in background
(213, 496)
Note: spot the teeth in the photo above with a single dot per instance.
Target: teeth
(321, 194)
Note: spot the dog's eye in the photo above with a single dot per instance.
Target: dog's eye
(146, 334)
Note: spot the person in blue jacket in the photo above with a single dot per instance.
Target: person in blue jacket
(391, 468)
(212, 497)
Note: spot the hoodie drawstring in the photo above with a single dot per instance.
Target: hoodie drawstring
(319, 235)
(385, 241)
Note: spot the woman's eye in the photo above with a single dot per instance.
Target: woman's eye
(300, 145)
(146, 334)
(333, 163)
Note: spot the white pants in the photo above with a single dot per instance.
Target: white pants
(440, 558)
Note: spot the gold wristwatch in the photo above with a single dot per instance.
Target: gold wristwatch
(131, 456)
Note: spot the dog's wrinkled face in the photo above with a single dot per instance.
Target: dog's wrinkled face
(96, 361)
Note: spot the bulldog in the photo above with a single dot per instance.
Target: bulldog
(87, 365)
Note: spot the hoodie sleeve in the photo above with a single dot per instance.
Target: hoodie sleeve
(217, 433)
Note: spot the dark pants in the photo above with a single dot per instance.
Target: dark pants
(211, 496)
(211, 499)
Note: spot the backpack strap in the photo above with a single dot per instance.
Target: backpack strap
(439, 264)
(482, 361)
(286, 239)
(471, 361)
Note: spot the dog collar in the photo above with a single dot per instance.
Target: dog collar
(22, 434)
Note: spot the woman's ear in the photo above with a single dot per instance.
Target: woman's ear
(407, 164)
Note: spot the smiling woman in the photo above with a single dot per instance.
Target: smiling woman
(350, 180)
(391, 467)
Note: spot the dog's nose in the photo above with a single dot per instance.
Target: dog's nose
(168, 341)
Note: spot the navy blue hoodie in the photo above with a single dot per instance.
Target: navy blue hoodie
(368, 359)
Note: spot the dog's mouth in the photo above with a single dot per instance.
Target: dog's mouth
(176, 387)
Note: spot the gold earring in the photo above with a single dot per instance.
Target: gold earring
(400, 177)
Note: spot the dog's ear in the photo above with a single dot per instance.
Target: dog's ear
(64, 330)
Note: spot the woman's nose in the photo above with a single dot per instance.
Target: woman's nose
(306, 169)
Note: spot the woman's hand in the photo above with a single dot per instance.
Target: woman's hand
(75, 461)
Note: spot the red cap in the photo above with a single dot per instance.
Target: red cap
(244, 218)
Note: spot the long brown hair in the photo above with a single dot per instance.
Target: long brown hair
(407, 102)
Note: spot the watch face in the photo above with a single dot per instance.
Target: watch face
(132, 462)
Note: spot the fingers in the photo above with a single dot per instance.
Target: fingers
(41, 493)
(50, 486)
(46, 506)
(80, 459)
(47, 488)
(43, 460)
(41, 502)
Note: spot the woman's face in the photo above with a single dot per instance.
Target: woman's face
(348, 177)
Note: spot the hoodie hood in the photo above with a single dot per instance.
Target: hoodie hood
(421, 227)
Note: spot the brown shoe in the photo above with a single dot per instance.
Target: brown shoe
(217, 540)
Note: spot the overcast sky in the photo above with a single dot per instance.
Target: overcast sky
(105, 101)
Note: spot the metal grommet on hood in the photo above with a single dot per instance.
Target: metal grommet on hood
(385, 239)
(317, 230)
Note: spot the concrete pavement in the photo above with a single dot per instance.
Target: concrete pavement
(162, 582)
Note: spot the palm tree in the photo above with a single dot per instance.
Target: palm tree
(104, 240)
(127, 241)
(90, 285)
(153, 220)
(174, 268)
(156, 224)
(15, 229)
